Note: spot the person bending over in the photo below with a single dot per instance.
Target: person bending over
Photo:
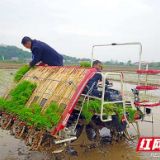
(42, 52)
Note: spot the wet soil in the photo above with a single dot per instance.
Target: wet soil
(15, 149)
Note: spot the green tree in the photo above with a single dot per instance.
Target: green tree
(121, 63)
(129, 63)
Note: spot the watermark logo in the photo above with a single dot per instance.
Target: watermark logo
(149, 144)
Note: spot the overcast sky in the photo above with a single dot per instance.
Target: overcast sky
(72, 27)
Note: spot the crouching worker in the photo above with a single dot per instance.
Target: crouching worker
(94, 81)
(42, 52)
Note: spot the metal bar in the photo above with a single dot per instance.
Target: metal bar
(112, 102)
(102, 101)
(65, 140)
(91, 96)
(115, 44)
(147, 121)
(146, 78)
(102, 98)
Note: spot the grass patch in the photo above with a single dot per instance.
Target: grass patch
(85, 64)
(94, 106)
(33, 116)
(19, 74)
(22, 92)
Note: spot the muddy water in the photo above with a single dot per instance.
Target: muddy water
(5, 79)
(15, 149)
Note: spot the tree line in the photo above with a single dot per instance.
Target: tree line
(7, 52)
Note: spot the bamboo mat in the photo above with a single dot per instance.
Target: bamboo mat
(54, 84)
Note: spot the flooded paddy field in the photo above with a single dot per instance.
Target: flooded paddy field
(6, 79)
(15, 149)
(11, 65)
(132, 78)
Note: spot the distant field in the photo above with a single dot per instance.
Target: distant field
(126, 68)
(11, 65)
(106, 68)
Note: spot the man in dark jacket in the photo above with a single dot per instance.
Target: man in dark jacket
(94, 81)
(42, 52)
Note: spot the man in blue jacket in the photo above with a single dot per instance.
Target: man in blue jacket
(42, 52)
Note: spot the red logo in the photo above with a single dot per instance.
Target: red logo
(149, 144)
